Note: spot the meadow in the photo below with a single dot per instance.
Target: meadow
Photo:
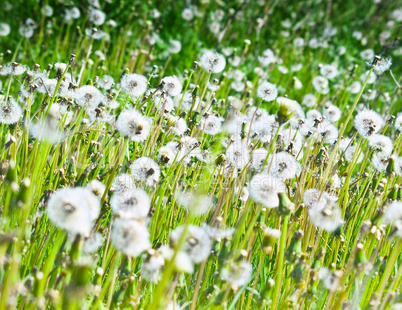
(200, 154)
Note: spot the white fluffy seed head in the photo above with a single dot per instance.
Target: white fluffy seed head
(10, 111)
(237, 154)
(171, 85)
(145, 169)
(283, 166)
(368, 122)
(133, 84)
(134, 125)
(267, 91)
(88, 95)
(73, 209)
(213, 62)
(332, 112)
(264, 188)
(211, 124)
(133, 204)
(381, 144)
(130, 237)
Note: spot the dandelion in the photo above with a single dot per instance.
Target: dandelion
(131, 204)
(175, 46)
(368, 122)
(26, 31)
(92, 243)
(237, 154)
(177, 125)
(146, 170)
(367, 54)
(267, 58)
(134, 125)
(88, 95)
(4, 29)
(194, 203)
(382, 65)
(332, 112)
(197, 243)
(264, 188)
(259, 157)
(97, 188)
(236, 273)
(320, 84)
(350, 154)
(213, 62)
(355, 87)
(291, 107)
(267, 91)
(187, 14)
(314, 114)
(211, 124)
(330, 279)
(381, 144)
(106, 82)
(10, 111)
(329, 71)
(283, 166)
(151, 267)
(123, 183)
(171, 85)
(133, 84)
(47, 10)
(372, 78)
(187, 101)
(393, 216)
(73, 209)
(167, 153)
(97, 16)
(309, 100)
(130, 237)
(13, 68)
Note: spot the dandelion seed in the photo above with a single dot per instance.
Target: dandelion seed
(4, 29)
(329, 71)
(131, 204)
(123, 183)
(172, 85)
(88, 95)
(259, 157)
(14, 69)
(177, 125)
(133, 84)
(97, 188)
(236, 273)
(146, 170)
(10, 111)
(196, 204)
(368, 122)
(211, 124)
(130, 237)
(197, 243)
(73, 209)
(283, 166)
(97, 16)
(213, 62)
(320, 84)
(393, 216)
(381, 144)
(267, 91)
(332, 112)
(134, 125)
(106, 82)
(237, 154)
(264, 189)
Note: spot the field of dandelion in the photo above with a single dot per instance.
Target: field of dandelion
(200, 154)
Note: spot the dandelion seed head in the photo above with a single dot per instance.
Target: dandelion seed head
(106, 82)
(368, 122)
(381, 144)
(237, 154)
(332, 112)
(259, 157)
(264, 188)
(123, 183)
(213, 62)
(131, 204)
(97, 16)
(172, 85)
(130, 237)
(267, 91)
(211, 124)
(10, 111)
(134, 125)
(145, 169)
(4, 29)
(283, 166)
(237, 273)
(88, 95)
(133, 84)
(73, 209)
